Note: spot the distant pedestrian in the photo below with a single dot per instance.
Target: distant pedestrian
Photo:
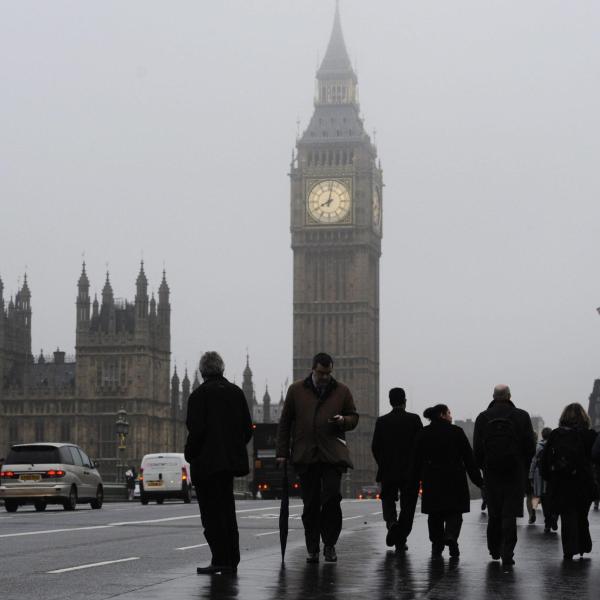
(538, 483)
(220, 427)
(567, 467)
(392, 447)
(504, 445)
(130, 483)
(596, 465)
(316, 414)
(442, 459)
(529, 501)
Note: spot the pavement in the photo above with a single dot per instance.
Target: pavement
(132, 552)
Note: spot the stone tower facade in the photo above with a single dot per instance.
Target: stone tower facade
(336, 212)
(122, 361)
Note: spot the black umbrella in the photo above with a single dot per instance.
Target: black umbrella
(284, 511)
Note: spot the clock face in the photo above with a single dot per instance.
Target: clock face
(329, 201)
(377, 207)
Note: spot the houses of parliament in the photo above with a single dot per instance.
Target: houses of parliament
(122, 361)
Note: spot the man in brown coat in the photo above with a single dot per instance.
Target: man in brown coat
(316, 414)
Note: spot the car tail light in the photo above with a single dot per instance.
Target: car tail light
(296, 485)
(54, 473)
(183, 474)
(9, 475)
(360, 496)
(141, 475)
(377, 497)
(263, 486)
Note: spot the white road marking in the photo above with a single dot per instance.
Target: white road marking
(98, 564)
(125, 523)
(190, 547)
(379, 512)
(269, 533)
(355, 517)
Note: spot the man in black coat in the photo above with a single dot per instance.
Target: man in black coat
(504, 444)
(393, 443)
(220, 427)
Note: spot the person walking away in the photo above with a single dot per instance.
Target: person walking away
(529, 503)
(130, 483)
(219, 428)
(442, 459)
(596, 466)
(316, 414)
(538, 483)
(567, 467)
(504, 445)
(392, 447)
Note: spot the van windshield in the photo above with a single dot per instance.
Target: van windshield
(32, 455)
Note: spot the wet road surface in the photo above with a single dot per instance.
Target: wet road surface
(132, 552)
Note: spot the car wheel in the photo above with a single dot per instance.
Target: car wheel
(11, 506)
(40, 505)
(187, 495)
(71, 502)
(160, 500)
(96, 503)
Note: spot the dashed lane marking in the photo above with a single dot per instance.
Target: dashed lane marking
(379, 512)
(190, 547)
(355, 517)
(126, 523)
(98, 564)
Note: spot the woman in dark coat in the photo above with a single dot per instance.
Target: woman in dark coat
(442, 459)
(567, 467)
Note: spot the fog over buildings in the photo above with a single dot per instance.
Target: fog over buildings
(165, 131)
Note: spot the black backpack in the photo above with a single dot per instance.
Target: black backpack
(501, 445)
(566, 454)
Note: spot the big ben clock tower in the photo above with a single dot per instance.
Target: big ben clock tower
(336, 212)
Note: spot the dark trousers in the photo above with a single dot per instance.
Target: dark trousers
(322, 514)
(444, 526)
(575, 529)
(217, 511)
(408, 493)
(501, 534)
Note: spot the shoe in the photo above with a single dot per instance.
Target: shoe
(495, 555)
(567, 556)
(390, 538)
(215, 569)
(554, 525)
(532, 519)
(547, 529)
(508, 561)
(483, 506)
(401, 548)
(437, 548)
(312, 558)
(453, 549)
(329, 554)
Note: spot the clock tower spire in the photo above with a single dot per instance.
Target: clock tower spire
(336, 194)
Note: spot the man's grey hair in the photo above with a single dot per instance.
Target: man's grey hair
(211, 365)
(501, 392)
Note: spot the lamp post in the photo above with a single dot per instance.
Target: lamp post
(122, 428)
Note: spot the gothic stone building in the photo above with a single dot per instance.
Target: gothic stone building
(336, 196)
(122, 361)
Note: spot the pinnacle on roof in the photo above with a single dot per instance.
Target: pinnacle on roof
(186, 377)
(163, 290)
(247, 370)
(25, 293)
(141, 280)
(336, 60)
(175, 378)
(267, 396)
(83, 278)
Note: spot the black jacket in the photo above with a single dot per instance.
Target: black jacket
(569, 491)
(393, 443)
(219, 426)
(515, 482)
(442, 459)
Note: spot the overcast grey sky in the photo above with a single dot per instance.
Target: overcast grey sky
(166, 129)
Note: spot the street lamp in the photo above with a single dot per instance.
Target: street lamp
(122, 428)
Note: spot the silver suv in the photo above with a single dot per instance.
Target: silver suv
(49, 473)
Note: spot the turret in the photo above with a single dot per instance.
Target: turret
(83, 301)
(164, 312)
(1, 295)
(175, 389)
(248, 386)
(141, 296)
(95, 307)
(196, 383)
(267, 406)
(185, 391)
(25, 301)
(107, 310)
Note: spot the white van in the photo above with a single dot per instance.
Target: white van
(165, 475)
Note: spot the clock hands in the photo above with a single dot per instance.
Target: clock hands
(330, 200)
